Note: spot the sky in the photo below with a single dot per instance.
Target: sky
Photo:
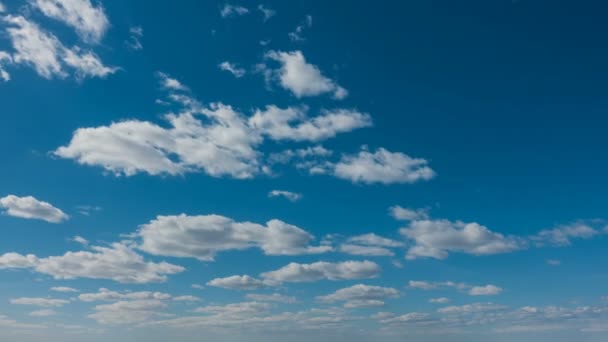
(287, 171)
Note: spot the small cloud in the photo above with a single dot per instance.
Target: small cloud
(296, 35)
(267, 12)
(232, 68)
(80, 240)
(229, 11)
(291, 196)
(488, 290)
(31, 208)
(135, 35)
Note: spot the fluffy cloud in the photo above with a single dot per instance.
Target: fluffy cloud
(235, 70)
(369, 245)
(236, 282)
(301, 78)
(232, 11)
(347, 270)
(31, 208)
(63, 289)
(128, 312)
(487, 290)
(278, 124)
(117, 262)
(361, 296)
(381, 166)
(111, 296)
(437, 238)
(90, 22)
(372, 239)
(44, 302)
(563, 235)
(291, 196)
(202, 237)
(406, 214)
(365, 250)
(47, 55)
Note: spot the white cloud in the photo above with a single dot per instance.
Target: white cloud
(275, 297)
(202, 237)
(43, 302)
(5, 59)
(90, 22)
(291, 196)
(80, 240)
(112, 296)
(406, 214)
(369, 245)
(381, 166)
(128, 312)
(31, 208)
(43, 313)
(293, 123)
(63, 289)
(296, 35)
(168, 82)
(301, 78)
(437, 238)
(440, 300)
(186, 299)
(471, 308)
(234, 69)
(136, 33)
(47, 55)
(232, 11)
(372, 239)
(2, 8)
(267, 12)
(361, 296)
(347, 270)
(563, 235)
(117, 262)
(365, 250)
(423, 285)
(236, 282)
(487, 290)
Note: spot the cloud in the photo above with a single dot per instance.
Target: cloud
(301, 78)
(43, 313)
(369, 245)
(128, 312)
(186, 299)
(293, 123)
(275, 297)
(112, 296)
(80, 240)
(563, 235)
(437, 238)
(136, 33)
(372, 239)
(202, 237)
(5, 59)
(381, 166)
(232, 68)
(170, 83)
(365, 250)
(43, 302)
(361, 296)
(2, 8)
(347, 270)
(63, 289)
(405, 214)
(487, 290)
(236, 282)
(291, 196)
(31, 208)
(229, 11)
(267, 12)
(47, 55)
(471, 308)
(90, 22)
(296, 35)
(117, 262)
(440, 300)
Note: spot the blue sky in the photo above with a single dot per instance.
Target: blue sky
(281, 171)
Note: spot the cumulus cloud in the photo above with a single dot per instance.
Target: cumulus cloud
(487, 290)
(234, 69)
(291, 196)
(47, 55)
(202, 237)
(365, 250)
(406, 214)
(563, 235)
(302, 78)
(233, 11)
(369, 245)
(347, 270)
(236, 282)
(117, 262)
(381, 166)
(128, 312)
(64, 289)
(293, 123)
(43, 302)
(31, 208)
(90, 22)
(437, 238)
(361, 296)
(112, 296)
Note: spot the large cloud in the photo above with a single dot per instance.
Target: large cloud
(202, 237)
(31, 208)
